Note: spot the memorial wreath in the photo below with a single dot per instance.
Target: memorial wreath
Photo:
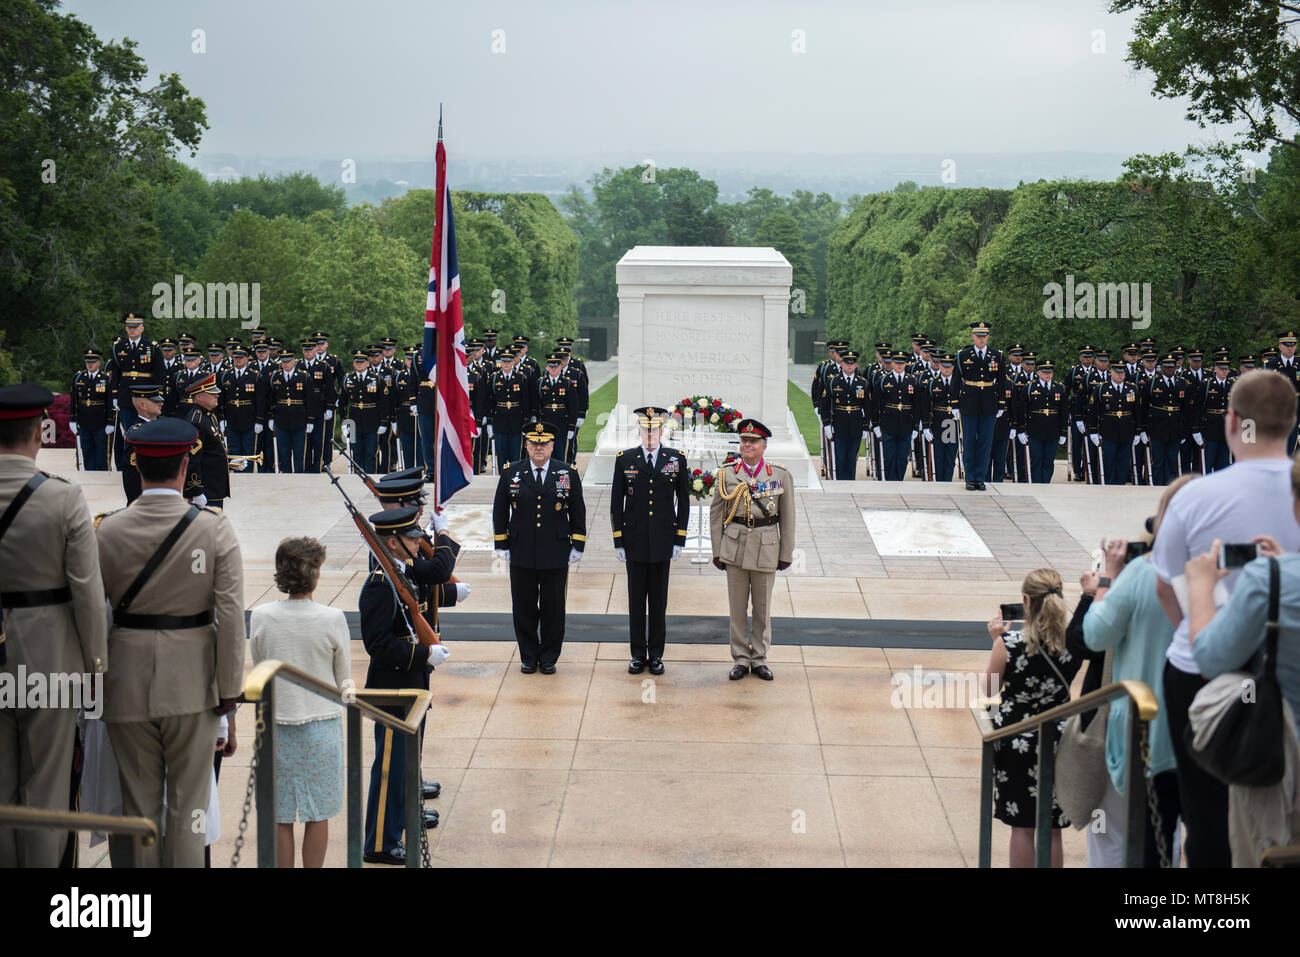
(699, 410)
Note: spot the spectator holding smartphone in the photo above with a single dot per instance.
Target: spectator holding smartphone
(1247, 500)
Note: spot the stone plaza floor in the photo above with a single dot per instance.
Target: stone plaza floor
(593, 766)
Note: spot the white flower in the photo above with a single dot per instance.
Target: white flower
(1020, 744)
(703, 403)
(698, 485)
(714, 418)
(1013, 808)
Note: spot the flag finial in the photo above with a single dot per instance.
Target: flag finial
(439, 122)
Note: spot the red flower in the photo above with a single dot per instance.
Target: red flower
(717, 403)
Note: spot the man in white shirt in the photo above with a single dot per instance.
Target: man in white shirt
(1249, 499)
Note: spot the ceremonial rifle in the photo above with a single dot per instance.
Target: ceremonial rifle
(424, 632)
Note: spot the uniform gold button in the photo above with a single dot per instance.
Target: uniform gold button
(652, 513)
(539, 524)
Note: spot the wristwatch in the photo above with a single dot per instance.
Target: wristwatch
(1103, 582)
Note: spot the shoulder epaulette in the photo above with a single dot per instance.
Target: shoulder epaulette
(51, 475)
(103, 515)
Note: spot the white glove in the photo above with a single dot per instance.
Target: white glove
(1062, 441)
(1145, 440)
(829, 430)
(439, 521)
(1096, 439)
(270, 424)
(570, 435)
(956, 414)
(257, 429)
(223, 426)
(462, 591)
(414, 411)
(310, 426)
(72, 426)
(1198, 438)
(1024, 439)
(503, 553)
(578, 423)
(489, 430)
(620, 554)
(199, 500)
(1137, 440)
(329, 414)
(876, 431)
(437, 655)
(929, 436)
(914, 434)
(240, 465)
(383, 429)
(999, 415)
(677, 552)
(574, 556)
(1011, 434)
(108, 430)
(1078, 424)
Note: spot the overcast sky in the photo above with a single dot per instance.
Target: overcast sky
(352, 78)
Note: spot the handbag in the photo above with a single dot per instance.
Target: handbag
(1235, 737)
(1081, 772)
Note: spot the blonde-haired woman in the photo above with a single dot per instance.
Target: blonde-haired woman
(1034, 670)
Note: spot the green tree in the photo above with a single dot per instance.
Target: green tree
(296, 195)
(187, 218)
(781, 232)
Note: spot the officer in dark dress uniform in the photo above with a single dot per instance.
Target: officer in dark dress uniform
(1046, 421)
(524, 363)
(509, 408)
(321, 402)
(167, 348)
(216, 358)
(575, 372)
(365, 397)
(406, 381)
(334, 365)
(1165, 418)
(477, 374)
(1002, 429)
(539, 523)
(1112, 425)
(1213, 405)
(490, 350)
(207, 481)
(981, 370)
(289, 418)
(645, 540)
(146, 404)
(89, 414)
(264, 367)
(397, 662)
(134, 359)
(243, 396)
(894, 417)
(1286, 363)
(1193, 377)
(1078, 391)
(557, 405)
(846, 414)
(386, 457)
(825, 369)
(192, 368)
(937, 399)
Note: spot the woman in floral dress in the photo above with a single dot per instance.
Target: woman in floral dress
(1034, 670)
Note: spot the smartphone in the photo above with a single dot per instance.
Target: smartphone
(1235, 555)
(1013, 612)
(1134, 550)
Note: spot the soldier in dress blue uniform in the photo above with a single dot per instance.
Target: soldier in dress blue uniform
(406, 382)
(509, 405)
(146, 404)
(289, 418)
(1194, 377)
(321, 401)
(1112, 425)
(539, 523)
(894, 417)
(1165, 416)
(826, 368)
(556, 405)
(490, 351)
(397, 662)
(1286, 363)
(89, 415)
(846, 414)
(645, 541)
(216, 358)
(134, 359)
(1046, 420)
(478, 374)
(1213, 406)
(207, 480)
(243, 397)
(577, 373)
(1078, 388)
(981, 370)
(169, 350)
(192, 367)
(364, 400)
(935, 406)
(525, 363)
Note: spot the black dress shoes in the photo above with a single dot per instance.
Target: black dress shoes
(635, 666)
(430, 817)
(980, 486)
(656, 667)
(528, 669)
(548, 669)
(738, 672)
(430, 789)
(972, 486)
(396, 856)
(764, 672)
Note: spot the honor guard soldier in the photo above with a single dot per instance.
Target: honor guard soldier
(1000, 459)
(490, 350)
(1194, 376)
(846, 415)
(336, 371)
(216, 357)
(432, 572)
(192, 369)
(134, 360)
(825, 369)
(1078, 391)
(289, 419)
(406, 381)
(647, 536)
(147, 404)
(1131, 355)
(938, 400)
(52, 623)
(557, 405)
(477, 375)
(321, 401)
(894, 417)
(524, 363)
(263, 438)
(397, 662)
(1245, 363)
(1046, 421)
(539, 523)
(916, 360)
(170, 352)
(185, 341)
(1112, 426)
(1213, 404)
(981, 371)
(1147, 370)
(1165, 419)
(751, 521)
(89, 417)
(426, 401)
(577, 373)
(365, 397)
(208, 480)
(176, 645)
(509, 409)
(243, 397)
(1286, 363)
(385, 458)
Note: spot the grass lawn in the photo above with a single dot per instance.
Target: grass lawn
(810, 425)
(599, 405)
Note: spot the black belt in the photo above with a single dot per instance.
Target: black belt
(126, 619)
(34, 599)
(764, 522)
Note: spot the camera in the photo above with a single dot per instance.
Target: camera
(1013, 611)
(1135, 550)
(1236, 555)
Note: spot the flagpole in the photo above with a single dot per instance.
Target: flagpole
(440, 182)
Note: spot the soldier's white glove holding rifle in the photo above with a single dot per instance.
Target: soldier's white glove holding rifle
(72, 427)
(929, 436)
(311, 426)
(1096, 439)
(574, 556)
(621, 554)
(383, 429)
(437, 655)
(1024, 439)
(677, 552)
(503, 554)
(1078, 424)
(876, 431)
(108, 430)
(829, 430)
(1198, 438)
(439, 522)
(257, 429)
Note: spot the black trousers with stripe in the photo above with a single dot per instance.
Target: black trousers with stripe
(647, 589)
(537, 599)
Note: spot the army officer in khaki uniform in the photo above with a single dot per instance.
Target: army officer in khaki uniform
(752, 520)
(177, 642)
(53, 608)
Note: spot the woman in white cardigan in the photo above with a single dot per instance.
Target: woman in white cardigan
(308, 729)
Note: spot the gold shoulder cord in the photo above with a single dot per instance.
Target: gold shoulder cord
(742, 490)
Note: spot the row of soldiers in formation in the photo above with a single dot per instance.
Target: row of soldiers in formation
(274, 405)
(1146, 418)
